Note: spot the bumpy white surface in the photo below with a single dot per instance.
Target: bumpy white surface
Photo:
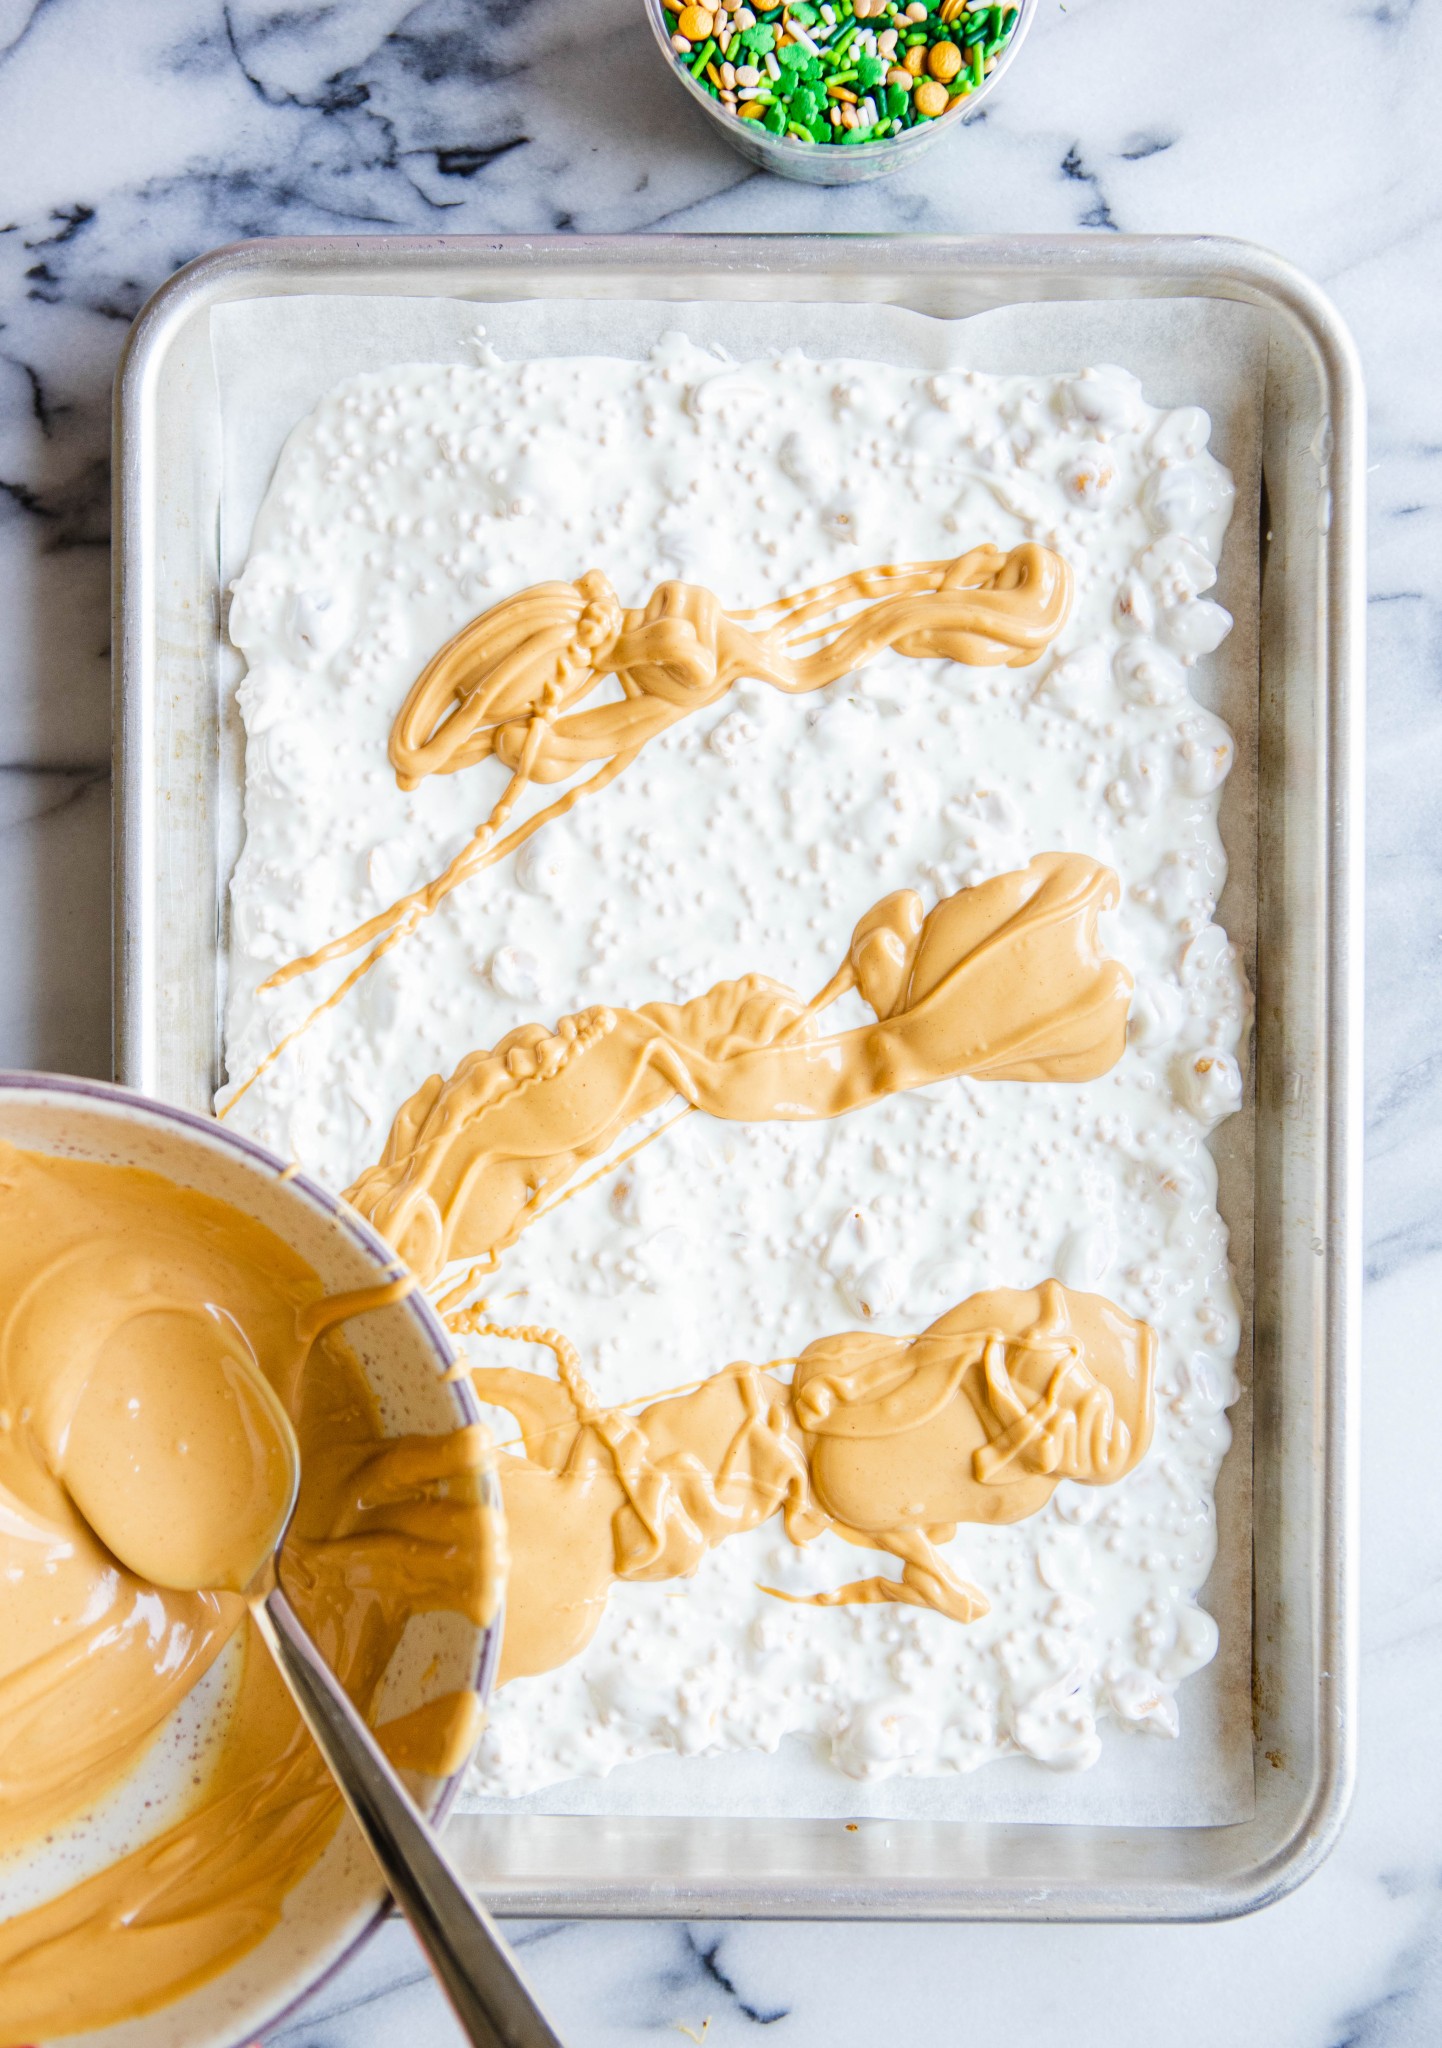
(752, 838)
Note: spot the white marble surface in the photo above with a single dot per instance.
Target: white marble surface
(134, 133)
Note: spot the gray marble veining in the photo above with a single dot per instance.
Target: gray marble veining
(132, 136)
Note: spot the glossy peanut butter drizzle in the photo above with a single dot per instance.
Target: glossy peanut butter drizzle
(887, 1442)
(1005, 981)
(131, 1313)
(510, 682)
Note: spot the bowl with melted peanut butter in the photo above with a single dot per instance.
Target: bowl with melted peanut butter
(174, 1864)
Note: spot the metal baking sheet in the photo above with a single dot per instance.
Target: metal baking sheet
(171, 875)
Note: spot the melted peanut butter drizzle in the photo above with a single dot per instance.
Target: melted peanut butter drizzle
(1005, 981)
(123, 1298)
(509, 684)
(887, 1442)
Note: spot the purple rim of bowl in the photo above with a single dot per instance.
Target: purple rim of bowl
(209, 1130)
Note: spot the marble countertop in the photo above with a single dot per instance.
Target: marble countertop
(134, 136)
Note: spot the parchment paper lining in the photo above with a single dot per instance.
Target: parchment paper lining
(275, 358)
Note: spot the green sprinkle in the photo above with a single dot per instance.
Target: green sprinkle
(820, 55)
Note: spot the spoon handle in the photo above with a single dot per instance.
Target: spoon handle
(491, 1998)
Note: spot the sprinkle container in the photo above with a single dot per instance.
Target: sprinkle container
(816, 163)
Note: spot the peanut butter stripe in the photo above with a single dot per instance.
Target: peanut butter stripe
(1004, 981)
(887, 1442)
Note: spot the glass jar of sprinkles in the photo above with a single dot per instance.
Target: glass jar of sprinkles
(833, 92)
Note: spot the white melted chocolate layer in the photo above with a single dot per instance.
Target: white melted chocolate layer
(747, 839)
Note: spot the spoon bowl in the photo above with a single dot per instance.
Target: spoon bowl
(180, 1455)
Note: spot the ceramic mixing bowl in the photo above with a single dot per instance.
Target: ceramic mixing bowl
(405, 1353)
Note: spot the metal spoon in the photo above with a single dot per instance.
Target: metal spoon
(487, 1991)
(492, 2000)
